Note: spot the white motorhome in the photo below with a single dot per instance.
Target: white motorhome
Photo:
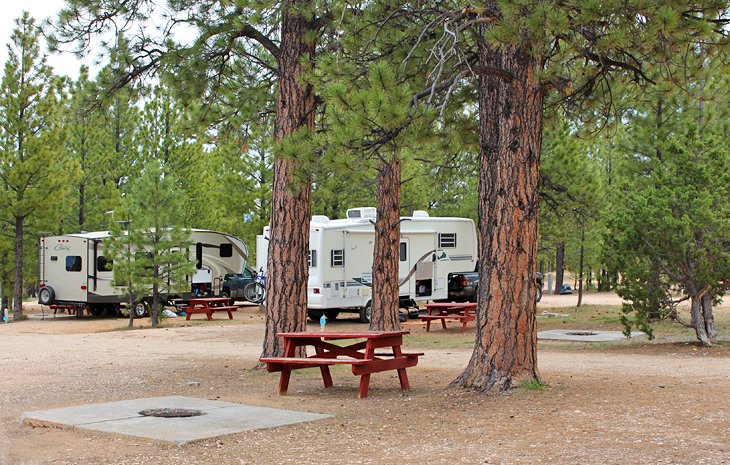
(74, 270)
(341, 259)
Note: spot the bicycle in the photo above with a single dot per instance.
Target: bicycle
(256, 291)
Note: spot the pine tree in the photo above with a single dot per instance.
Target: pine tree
(33, 169)
(159, 241)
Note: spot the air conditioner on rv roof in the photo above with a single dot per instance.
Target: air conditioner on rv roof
(361, 212)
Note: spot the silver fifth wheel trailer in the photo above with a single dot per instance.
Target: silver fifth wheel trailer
(75, 272)
(341, 259)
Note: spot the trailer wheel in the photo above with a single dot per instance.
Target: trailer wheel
(46, 295)
(140, 309)
(97, 310)
(331, 314)
(366, 312)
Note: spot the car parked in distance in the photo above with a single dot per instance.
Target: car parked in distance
(463, 286)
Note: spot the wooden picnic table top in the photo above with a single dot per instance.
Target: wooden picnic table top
(468, 305)
(207, 300)
(342, 334)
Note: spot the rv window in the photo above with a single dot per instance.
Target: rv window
(403, 252)
(447, 240)
(312, 259)
(226, 250)
(73, 263)
(104, 264)
(337, 258)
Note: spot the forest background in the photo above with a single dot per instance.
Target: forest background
(629, 188)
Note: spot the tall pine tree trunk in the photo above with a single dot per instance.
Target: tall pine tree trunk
(387, 246)
(559, 266)
(580, 265)
(287, 266)
(18, 285)
(510, 119)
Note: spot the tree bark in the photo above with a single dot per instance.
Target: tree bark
(387, 247)
(287, 266)
(698, 319)
(708, 316)
(510, 114)
(580, 265)
(559, 266)
(18, 285)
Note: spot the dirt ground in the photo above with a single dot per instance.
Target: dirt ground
(639, 403)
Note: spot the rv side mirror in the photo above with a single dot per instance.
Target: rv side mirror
(199, 255)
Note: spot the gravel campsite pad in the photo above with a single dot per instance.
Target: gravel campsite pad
(619, 402)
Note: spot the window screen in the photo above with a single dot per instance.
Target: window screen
(338, 258)
(73, 263)
(312, 259)
(447, 240)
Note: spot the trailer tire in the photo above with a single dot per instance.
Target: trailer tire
(140, 309)
(314, 315)
(331, 314)
(366, 312)
(46, 295)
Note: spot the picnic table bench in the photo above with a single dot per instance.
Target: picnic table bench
(360, 355)
(208, 305)
(459, 311)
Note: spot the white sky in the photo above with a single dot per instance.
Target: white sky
(63, 64)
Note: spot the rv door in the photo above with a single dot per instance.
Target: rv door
(404, 267)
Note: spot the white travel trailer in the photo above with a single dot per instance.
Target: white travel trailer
(74, 271)
(341, 259)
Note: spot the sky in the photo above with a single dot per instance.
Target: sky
(63, 64)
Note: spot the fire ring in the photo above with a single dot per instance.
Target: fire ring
(581, 333)
(171, 412)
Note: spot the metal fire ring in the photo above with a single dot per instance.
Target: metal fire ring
(171, 412)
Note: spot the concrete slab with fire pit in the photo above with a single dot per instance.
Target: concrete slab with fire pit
(585, 335)
(216, 418)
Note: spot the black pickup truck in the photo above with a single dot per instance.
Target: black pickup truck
(463, 286)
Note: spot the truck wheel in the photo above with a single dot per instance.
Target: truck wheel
(46, 295)
(539, 293)
(366, 312)
(140, 309)
(227, 294)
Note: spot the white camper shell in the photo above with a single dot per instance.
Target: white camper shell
(74, 270)
(341, 259)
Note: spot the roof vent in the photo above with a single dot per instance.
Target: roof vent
(320, 219)
(361, 212)
(420, 214)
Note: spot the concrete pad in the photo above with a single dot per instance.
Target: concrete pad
(123, 417)
(585, 335)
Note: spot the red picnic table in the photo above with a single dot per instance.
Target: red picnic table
(208, 305)
(361, 355)
(460, 311)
